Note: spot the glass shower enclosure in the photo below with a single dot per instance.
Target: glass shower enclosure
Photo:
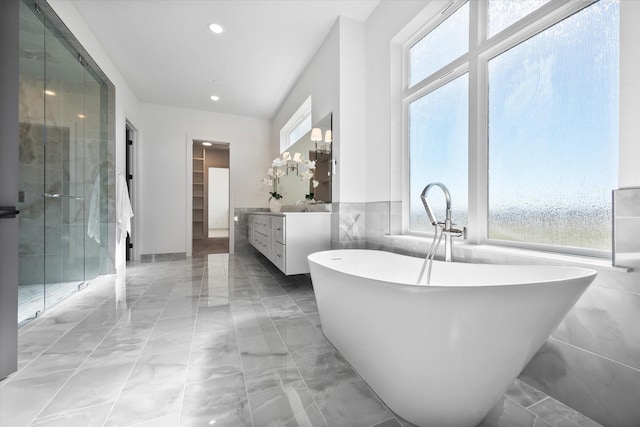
(67, 165)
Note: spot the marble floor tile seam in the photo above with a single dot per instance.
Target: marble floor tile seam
(557, 403)
(53, 418)
(242, 369)
(45, 349)
(305, 314)
(608, 359)
(60, 307)
(133, 366)
(527, 408)
(531, 404)
(75, 371)
(92, 290)
(183, 384)
(251, 409)
(170, 348)
(53, 396)
(303, 380)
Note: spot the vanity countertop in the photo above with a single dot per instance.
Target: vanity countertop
(290, 213)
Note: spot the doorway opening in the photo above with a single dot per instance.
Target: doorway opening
(130, 149)
(210, 198)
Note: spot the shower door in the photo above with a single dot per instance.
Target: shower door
(65, 164)
(64, 156)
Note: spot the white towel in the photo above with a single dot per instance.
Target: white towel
(124, 213)
(93, 222)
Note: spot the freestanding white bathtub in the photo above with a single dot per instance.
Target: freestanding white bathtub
(441, 354)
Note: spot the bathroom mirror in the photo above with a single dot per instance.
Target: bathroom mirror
(314, 145)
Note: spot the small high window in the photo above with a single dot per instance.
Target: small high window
(297, 126)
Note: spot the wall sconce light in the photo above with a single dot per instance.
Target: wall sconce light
(292, 163)
(292, 166)
(316, 137)
(328, 137)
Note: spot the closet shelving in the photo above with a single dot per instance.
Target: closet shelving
(199, 195)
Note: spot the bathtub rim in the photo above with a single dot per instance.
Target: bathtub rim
(584, 272)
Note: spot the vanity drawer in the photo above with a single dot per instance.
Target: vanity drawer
(263, 243)
(279, 256)
(261, 224)
(278, 229)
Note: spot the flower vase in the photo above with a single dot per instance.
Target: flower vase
(275, 205)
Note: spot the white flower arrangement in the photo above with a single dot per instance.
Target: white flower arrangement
(279, 167)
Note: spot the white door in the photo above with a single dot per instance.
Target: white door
(218, 199)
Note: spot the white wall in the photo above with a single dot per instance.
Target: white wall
(388, 26)
(163, 170)
(352, 152)
(629, 171)
(320, 80)
(127, 106)
(335, 79)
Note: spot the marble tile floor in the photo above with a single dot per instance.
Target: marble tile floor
(33, 298)
(223, 340)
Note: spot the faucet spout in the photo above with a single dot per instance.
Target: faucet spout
(427, 207)
(446, 227)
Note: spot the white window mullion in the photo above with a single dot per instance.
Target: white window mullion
(477, 227)
(477, 219)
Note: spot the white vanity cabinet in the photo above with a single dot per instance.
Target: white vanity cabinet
(287, 238)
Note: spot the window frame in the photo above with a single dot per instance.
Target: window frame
(475, 62)
(302, 113)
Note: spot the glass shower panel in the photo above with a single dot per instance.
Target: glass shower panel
(94, 188)
(63, 169)
(32, 132)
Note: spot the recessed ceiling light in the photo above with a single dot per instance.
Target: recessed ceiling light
(216, 29)
(215, 98)
(81, 116)
(207, 144)
(49, 92)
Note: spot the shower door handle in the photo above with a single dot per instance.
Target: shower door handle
(61, 196)
(8, 211)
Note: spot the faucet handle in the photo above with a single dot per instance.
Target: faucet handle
(456, 232)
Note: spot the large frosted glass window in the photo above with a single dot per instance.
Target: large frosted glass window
(443, 44)
(553, 133)
(438, 136)
(534, 118)
(503, 13)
